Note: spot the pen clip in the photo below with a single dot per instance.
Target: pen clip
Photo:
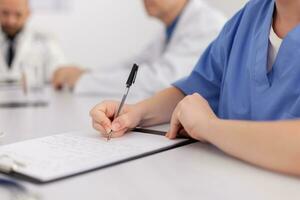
(132, 76)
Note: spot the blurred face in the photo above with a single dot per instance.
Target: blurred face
(159, 8)
(13, 15)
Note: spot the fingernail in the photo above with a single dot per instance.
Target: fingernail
(116, 126)
(107, 129)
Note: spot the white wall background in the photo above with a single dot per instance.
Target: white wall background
(99, 32)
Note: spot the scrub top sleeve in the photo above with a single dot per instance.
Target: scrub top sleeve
(206, 78)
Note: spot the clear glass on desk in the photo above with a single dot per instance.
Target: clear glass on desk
(29, 85)
(19, 96)
(33, 78)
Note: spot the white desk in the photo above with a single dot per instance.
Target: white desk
(195, 171)
(64, 113)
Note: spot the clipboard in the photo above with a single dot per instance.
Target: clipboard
(10, 169)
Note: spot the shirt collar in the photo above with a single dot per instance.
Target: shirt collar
(171, 28)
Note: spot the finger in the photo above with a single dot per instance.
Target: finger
(108, 108)
(183, 133)
(175, 126)
(58, 79)
(119, 133)
(55, 76)
(103, 113)
(122, 122)
(72, 81)
(68, 82)
(99, 128)
(101, 119)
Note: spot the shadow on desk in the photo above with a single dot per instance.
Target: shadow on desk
(15, 105)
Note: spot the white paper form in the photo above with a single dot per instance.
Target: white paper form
(63, 155)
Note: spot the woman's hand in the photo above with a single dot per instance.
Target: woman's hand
(104, 122)
(194, 115)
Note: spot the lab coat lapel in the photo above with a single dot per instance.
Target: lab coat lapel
(3, 65)
(22, 45)
(261, 50)
(185, 18)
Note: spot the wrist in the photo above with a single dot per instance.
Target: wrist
(147, 114)
(212, 128)
(141, 111)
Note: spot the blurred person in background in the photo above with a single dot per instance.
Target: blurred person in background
(22, 46)
(190, 25)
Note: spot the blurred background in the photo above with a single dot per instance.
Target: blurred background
(93, 26)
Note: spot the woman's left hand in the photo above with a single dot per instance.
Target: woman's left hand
(193, 115)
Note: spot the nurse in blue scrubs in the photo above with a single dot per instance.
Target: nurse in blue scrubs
(243, 96)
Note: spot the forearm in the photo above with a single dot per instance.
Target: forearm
(159, 108)
(273, 145)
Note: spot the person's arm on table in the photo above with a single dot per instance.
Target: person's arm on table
(66, 76)
(272, 145)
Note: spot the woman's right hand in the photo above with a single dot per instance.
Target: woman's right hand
(104, 122)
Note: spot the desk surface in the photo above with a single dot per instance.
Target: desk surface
(196, 171)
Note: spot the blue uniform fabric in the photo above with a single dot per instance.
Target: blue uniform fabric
(232, 73)
(170, 29)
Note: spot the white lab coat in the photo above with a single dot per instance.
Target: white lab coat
(160, 63)
(33, 48)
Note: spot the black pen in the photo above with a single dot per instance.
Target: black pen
(129, 83)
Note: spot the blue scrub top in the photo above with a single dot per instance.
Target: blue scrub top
(232, 73)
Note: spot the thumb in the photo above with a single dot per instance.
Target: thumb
(175, 125)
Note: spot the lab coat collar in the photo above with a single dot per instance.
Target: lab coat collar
(185, 17)
(19, 44)
(20, 35)
(2, 37)
(21, 41)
